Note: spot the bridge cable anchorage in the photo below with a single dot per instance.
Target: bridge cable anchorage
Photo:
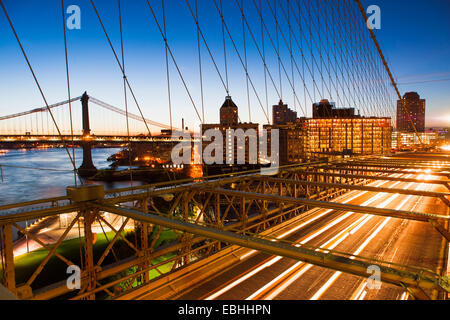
(125, 94)
(68, 86)
(37, 83)
(403, 102)
(120, 66)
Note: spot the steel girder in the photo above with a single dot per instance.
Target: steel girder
(415, 280)
(440, 195)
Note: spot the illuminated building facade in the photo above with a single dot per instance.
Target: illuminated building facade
(347, 136)
(229, 120)
(409, 140)
(342, 134)
(325, 109)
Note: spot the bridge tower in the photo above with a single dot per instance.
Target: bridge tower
(87, 168)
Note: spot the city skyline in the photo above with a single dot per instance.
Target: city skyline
(92, 65)
(227, 150)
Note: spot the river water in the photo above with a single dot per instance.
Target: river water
(20, 184)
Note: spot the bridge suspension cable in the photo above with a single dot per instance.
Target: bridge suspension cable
(68, 86)
(124, 113)
(403, 103)
(125, 94)
(321, 46)
(120, 66)
(37, 83)
(42, 109)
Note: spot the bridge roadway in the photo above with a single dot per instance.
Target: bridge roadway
(77, 138)
(261, 276)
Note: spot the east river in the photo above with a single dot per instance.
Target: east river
(44, 173)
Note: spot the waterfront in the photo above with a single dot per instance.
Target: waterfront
(53, 176)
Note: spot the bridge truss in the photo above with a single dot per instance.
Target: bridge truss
(208, 215)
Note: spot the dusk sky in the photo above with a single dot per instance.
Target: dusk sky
(414, 37)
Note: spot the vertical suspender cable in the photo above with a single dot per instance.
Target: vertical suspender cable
(403, 103)
(68, 88)
(224, 48)
(264, 59)
(199, 62)
(36, 81)
(278, 48)
(125, 93)
(120, 65)
(167, 65)
(173, 60)
(311, 52)
(291, 54)
(245, 60)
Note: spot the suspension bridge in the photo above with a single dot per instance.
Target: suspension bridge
(313, 227)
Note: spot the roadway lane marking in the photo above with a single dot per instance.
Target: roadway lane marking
(273, 260)
(285, 279)
(333, 278)
(327, 284)
(243, 278)
(357, 195)
(294, 272)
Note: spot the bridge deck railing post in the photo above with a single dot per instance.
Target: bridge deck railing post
(8, 257)
(89, 266)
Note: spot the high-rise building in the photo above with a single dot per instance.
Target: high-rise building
(331, 133)
(415, 107)
(281, 114)
(326, 109)
(229, 128)
(229, 113)
(347, 136)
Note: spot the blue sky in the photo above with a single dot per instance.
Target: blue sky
(414, 37)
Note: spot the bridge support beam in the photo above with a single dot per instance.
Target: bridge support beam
(419, 279)
(8, 257)
(89, 268)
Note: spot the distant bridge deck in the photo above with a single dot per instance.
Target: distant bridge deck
(29, 139)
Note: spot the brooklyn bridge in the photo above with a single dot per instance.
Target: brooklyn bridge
(342, 216)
